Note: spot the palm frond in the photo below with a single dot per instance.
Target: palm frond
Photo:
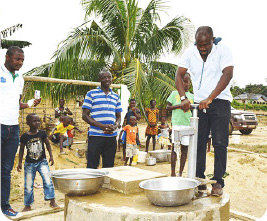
(9, 31)
(163, 67)
(84, 43)
(173, 37)
(7, 43)
(135, 78)
(112, 14)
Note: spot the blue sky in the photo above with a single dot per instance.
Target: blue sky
(241, 24)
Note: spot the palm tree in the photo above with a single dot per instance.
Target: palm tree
(4, 43)
(129, 42)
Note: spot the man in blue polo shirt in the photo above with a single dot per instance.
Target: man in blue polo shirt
(102, 110)
(11, 87)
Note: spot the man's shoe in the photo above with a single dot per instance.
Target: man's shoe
(202, 187)
(12, 213)
(217, 190)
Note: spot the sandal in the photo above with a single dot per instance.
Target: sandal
(62, 153)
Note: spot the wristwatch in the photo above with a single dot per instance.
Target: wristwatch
(183, 98)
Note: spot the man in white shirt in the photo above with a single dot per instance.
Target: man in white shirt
(11, 87)
(211, 68)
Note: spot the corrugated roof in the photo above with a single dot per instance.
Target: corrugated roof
(249, 96)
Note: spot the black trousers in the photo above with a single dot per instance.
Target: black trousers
(101, 146)
(216, 119)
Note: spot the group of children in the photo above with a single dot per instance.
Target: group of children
(180, 120)
(35, 141)
(129, 136)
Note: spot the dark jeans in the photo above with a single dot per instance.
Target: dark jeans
(104, 146)
(9, 146)
(216, 119)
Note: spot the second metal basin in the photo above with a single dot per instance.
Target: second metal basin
(78, 181)
(169, 191)
(160, 155)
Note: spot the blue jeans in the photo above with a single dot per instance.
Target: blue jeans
(9, 146)
(30, 170)
(216, 119)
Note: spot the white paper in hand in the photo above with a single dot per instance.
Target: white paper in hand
(30, 102)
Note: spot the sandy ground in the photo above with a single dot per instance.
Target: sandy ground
(246, 182)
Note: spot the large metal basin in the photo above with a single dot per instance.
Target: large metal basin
(160, 155)
(78, 181)
(169, 191)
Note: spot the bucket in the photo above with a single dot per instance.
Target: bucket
(235, 139)
(135, 158)
(141, 157)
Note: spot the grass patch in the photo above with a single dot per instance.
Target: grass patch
(254, 148)
(71, 161)
(246, 160)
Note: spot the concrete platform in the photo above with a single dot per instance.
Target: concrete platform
(126, 179)
(114, 206)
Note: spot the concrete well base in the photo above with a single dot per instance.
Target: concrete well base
(114, 206)
(125, 179)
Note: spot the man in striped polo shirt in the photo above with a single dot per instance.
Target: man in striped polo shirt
(102, 110)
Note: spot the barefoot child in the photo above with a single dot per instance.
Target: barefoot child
(152, 114)
(164, 135)
(70, 134)
(131, 140)
(35, 161)
(180, 120)
(57, 134)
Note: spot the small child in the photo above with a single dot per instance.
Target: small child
(70, 134)
(57, 134)
(152, 115)
(35, 161)
(180, 120)
(164, 136)
(132, 139)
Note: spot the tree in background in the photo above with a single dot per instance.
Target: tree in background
(4, 43)
(129, 41)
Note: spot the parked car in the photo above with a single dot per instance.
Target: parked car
(243, 121)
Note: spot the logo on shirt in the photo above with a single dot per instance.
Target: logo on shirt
(3, 80)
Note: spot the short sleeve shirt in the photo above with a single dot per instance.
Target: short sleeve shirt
(35, 146)
(206, 75)
(130, 134)
(10, 90)
(60, 129)
(103, 108)
(179, 117)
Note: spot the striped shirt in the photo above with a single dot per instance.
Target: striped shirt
(103, 108)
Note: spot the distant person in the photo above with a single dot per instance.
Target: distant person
(62, 110)
(57, 133)
(132, 139)
(70, 134)
(102, 110)
(132, 111)
(165, 130)
(211, 67)
(152, 115)
(11, 88)
(34, 141)
(180, 120)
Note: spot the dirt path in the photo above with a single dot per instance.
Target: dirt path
(246, 183)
